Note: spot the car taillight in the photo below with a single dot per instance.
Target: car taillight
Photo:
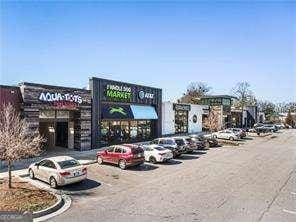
(65, 173)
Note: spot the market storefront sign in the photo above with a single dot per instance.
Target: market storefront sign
(119, 92)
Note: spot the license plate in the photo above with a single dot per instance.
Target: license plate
(76, 174)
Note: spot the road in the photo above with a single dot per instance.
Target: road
(255, 181)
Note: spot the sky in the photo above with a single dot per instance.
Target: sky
(159, 44)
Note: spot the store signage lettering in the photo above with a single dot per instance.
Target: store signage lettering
(205, 111)
(59, 97)
(119, 92)
(182, 107)
(145, 95)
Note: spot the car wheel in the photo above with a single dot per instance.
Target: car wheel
(53, 182)
(122, 164)
(31, 174)
(99, 160)
(152, 159)
(231, 138)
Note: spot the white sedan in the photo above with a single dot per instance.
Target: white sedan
(58, 171)
(154, 153)
(226, 134)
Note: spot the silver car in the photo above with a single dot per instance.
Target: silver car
(58, 171)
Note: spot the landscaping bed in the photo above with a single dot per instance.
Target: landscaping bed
(24, 197)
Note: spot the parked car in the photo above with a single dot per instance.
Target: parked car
(240, 132)
(280, 126)
(123, 155)
(226, 134)
(287, 126)
(264, 128)
(182, 142)
(58, 171)
(208, 141)
(171, 144)
(195, 143)
(155, 153)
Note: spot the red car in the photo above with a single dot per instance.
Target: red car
(124, 155)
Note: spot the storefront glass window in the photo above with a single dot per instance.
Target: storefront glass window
(114, 132)
(181, 121)
(125, 131)
(133, 130)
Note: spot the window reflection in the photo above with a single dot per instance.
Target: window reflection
(115, 132)
(181, 121)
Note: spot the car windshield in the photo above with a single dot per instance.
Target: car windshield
(68, 163)
(170, 142)
(179, 142)
(159, 148)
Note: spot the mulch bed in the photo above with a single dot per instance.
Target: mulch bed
(23, 197)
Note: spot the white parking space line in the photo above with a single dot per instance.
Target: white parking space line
(289, 211)
(108, 184)
(293, 193)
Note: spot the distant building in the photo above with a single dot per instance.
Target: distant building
(12, 95)
(222, 105)
(182, 118)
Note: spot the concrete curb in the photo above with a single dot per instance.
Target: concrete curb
(50, 209)
(63, 204)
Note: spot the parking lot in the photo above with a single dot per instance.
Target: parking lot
(255, 181)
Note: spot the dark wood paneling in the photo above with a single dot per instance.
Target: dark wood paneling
(82, 112)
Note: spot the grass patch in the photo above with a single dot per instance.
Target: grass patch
(24, 197)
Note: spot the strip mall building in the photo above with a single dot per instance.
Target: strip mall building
(110, 112)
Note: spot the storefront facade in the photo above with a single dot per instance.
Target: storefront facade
(124, 112)
(180, 118)
(221, 104)
(61, 114)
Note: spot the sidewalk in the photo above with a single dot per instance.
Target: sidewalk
(84, 157)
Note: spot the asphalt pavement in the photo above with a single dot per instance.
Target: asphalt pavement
(255, 181)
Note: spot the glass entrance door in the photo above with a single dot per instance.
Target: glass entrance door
(62, 134)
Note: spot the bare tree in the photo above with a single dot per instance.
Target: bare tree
(16, 140)
(290, 120)
(244, 96)
(268, 108)
(194, 92)
(212, 121)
